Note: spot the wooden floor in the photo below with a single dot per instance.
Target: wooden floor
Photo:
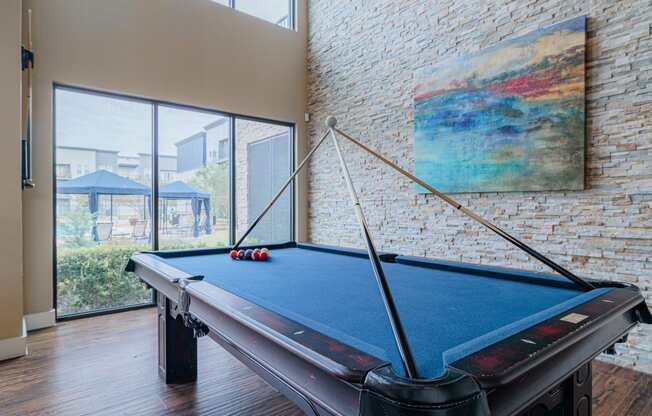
(107, 366)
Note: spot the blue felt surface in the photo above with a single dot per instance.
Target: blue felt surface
(446, 314)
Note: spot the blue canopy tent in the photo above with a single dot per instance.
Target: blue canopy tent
(181, 190)
(101, 182)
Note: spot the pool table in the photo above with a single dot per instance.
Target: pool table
(310, 321)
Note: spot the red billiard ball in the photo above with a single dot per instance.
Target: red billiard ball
(233, 254)
(256, 255)
(263, 256)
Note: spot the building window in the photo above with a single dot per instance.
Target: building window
(191, 152)
(222, 151)
(166, 176)
(63, 206)
(279, 12)
(64, 171)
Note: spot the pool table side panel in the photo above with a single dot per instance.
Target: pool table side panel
(507, 399)
(519, 326)
(511, 357)
(325, 352)
(317, 383)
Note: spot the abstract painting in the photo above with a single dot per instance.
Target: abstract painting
(508, 118)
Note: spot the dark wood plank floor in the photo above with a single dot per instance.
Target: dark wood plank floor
(107, 366)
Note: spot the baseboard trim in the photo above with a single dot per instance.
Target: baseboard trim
(14, 347)
(40, 320)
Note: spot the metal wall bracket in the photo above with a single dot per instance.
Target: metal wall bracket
(183, 307)
(27, 58)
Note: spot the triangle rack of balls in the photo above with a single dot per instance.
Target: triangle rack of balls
(256, 254)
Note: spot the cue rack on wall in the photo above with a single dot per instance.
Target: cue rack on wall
(27, 64)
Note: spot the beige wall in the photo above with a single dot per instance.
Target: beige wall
(192, 52)
(11, 282)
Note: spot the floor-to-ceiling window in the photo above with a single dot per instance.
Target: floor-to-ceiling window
(279, 12)
(263, 154)
(103, 205)
(194, 178)
(119, 160)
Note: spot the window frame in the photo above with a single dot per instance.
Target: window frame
(155, 104)
(221, 155)
(292, 167)
(62, 166)
(292, 12)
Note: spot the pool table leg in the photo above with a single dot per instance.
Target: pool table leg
(582, 391)
(177, 345)
(570, 397)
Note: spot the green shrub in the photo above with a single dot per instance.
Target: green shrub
(74, 227)
(93, 278)
(214, 178)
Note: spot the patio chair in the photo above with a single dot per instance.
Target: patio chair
(104, 230)
(140, 229)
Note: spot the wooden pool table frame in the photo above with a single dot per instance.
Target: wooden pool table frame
(324, 376)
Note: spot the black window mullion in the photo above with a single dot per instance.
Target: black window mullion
(293, 189)
(232, 190)
(154, 199)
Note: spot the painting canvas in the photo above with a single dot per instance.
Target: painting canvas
(509, 118)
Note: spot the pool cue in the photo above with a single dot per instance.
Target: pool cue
(26, 181)
(280, 192)
(521, 245)
(385, 292)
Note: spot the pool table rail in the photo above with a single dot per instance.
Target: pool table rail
(511, 357)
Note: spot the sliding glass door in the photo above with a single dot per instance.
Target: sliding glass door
(134, 174)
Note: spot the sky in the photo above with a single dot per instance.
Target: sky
(108, 123)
